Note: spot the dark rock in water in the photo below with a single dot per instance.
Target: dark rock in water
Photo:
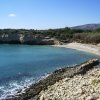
(57, 75)
(10, 97)
(19, 90)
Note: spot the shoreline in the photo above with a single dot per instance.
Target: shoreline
(79, 87)
(77, 46)
(90, 48)
(32, 93)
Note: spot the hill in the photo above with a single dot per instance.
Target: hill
(87, 27)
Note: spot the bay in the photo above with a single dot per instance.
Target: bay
(22, 65)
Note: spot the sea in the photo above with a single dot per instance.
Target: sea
(23, 65)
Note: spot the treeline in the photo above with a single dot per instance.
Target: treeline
(69, 35)
(62, 34)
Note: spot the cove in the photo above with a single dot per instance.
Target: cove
(22, 65)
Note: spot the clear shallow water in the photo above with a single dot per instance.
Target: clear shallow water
(22, 65)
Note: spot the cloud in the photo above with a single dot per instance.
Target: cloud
(12, 15)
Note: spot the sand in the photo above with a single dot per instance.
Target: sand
(95, 49)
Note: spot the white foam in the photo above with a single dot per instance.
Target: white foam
(14, 87)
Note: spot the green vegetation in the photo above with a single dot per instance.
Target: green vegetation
(90, 37)
(63, 34)
(95, 82)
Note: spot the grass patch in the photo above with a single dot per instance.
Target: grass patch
(95, 81)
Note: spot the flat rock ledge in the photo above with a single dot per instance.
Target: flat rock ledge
(61, 84)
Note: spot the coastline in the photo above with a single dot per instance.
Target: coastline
(95, 49)
(78, 87)
(32, 93)
(36, 88)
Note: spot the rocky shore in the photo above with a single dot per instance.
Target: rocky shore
(45, 85)
(29, 39)
(79, 87)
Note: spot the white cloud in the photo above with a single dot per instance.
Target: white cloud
(12, 15)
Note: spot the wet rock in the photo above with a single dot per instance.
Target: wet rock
(55, 77)
(19, 91)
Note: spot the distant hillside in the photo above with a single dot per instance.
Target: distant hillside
(87, 27)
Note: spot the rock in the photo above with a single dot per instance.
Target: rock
(71, 83)
(90, 98)
(26, 38)
(42, 97)
(79, 91)
(19, 90)
(74, 98)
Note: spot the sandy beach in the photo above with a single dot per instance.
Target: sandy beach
(95, 49)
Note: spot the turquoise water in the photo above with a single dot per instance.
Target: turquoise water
(22, 65)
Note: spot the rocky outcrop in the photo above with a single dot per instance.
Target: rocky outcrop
(79, 87)
(57, 75)
(14, 38)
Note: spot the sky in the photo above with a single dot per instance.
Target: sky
(47, 14)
